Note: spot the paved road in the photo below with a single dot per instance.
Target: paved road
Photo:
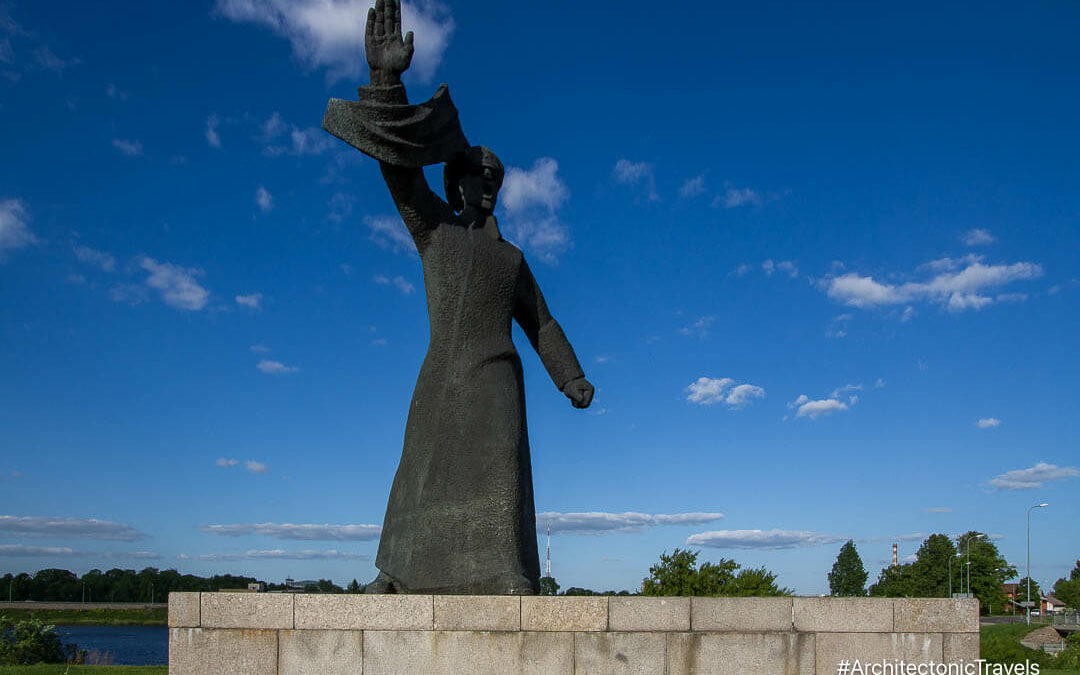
(82, 605)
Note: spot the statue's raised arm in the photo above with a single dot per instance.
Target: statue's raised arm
(403, 137)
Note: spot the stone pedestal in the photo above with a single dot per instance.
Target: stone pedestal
(282, 634)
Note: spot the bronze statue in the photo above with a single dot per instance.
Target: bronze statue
(460, 518)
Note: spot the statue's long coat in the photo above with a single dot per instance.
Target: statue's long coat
(460, 518)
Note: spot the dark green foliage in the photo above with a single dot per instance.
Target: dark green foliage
(354, 588)
(928, 576)
(548, 586)
(1022, 591)
(29, 641)
(848, 576)
(1068, 590)
(679, 574)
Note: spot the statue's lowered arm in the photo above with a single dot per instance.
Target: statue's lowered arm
(547, 338)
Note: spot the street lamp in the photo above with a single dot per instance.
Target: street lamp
(978, 536)
(1037, 506)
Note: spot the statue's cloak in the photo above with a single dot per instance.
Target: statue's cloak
(400, 134)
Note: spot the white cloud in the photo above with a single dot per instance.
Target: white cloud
(133, 555)
(988, 422)
(330, 33)
(131, 294)
(112, 91)
(599, 522)
(531, 199)
(213, 139)
(1034, 477)
(14, 231)
(256, 467)
(398, 282)
(736, 197)
(785, 266)
(263, 199)
(938, 509)
(129, 148)
(275, 367)
(223, 462)
(741, 394)
(176, 284)
(957, 286)
(23, 551)
(305, 532)
(978, 237)
(45, 59)
(96, 258)
(807, 407)
(389, 232)
(762, 539)
(538, 186)
(637, 173)
(254, 300)
(692, 187)
(259, 349)
(296, 141)
(279, 554)
(846, 389)
(741, 270)
(707, 391)
(82, 528)
(699, 328)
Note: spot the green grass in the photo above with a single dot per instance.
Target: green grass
(61, 669)
(1001, 642)
(94, 617)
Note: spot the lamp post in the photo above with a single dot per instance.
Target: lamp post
(1037, 506)
(968, 564)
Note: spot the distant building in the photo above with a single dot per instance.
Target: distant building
(257, 587)
(1011, 591)
(1051, 605)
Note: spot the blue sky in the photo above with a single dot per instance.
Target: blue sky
(820, 263)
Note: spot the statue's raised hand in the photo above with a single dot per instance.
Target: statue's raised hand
(388, 56)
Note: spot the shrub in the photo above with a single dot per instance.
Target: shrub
(29, 641)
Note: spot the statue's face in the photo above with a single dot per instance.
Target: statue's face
(479, 188)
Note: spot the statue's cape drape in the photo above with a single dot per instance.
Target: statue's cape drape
(404, 135)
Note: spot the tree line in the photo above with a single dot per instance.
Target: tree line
(970, 564)
(120, 585)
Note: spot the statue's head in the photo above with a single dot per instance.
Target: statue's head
(473, 178)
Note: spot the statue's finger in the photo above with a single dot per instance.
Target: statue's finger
(380, 18)
(393, 17)
(408, 41)
(369, 31)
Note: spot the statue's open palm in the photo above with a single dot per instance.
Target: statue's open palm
(386, 51)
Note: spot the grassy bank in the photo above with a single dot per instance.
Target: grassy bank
(1001, 643)
(94, 617)
(61, 669)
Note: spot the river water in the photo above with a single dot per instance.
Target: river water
(128, 645)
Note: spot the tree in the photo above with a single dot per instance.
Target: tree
(928, 576)
(353, 588)
(1022, 591)
(677, 574)
(848, 576)
(1068, 590)
(895, 582)
(29, 641)
(548, 586)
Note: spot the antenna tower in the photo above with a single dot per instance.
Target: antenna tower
(547, 565)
